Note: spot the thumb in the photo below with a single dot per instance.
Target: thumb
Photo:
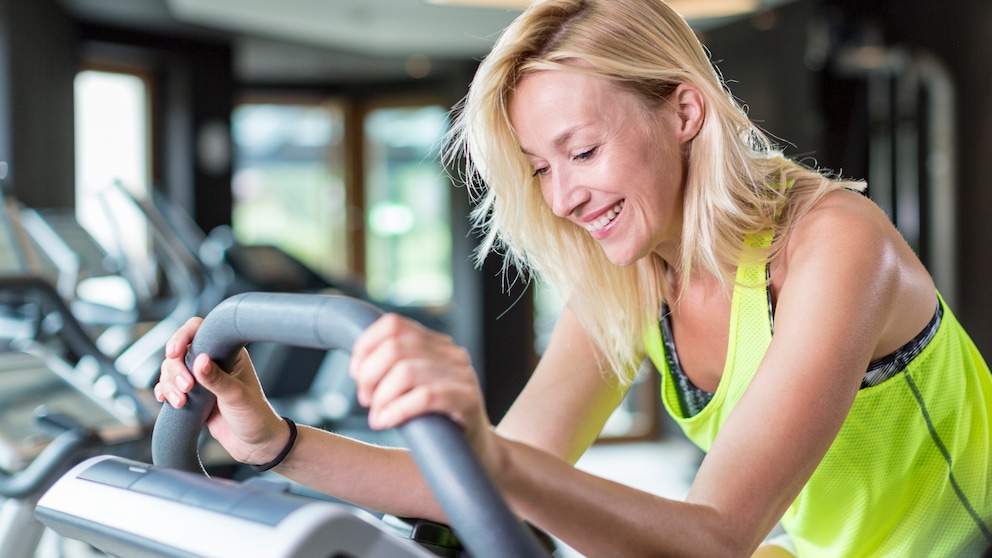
(211, 376)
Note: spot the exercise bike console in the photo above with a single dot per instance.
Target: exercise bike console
(131, 509)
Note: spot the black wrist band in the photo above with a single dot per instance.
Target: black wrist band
(285, 451)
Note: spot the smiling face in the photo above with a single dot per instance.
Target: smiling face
(605, 160)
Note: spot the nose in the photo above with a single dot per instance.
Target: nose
(564, 193)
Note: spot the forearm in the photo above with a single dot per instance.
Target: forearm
(599, 517)
(374, 477)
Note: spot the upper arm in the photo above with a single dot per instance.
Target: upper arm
(569, 397)
(841, 280)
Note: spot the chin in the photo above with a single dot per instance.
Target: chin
(622, 259)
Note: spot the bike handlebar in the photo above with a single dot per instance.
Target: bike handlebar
(477, 512)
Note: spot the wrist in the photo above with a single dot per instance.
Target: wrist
(498, 460)
(284, 450)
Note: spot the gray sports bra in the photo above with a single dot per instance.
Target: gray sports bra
(692, 400)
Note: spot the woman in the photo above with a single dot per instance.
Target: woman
(613, 163)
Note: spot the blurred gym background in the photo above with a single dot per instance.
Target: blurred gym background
(204, 147)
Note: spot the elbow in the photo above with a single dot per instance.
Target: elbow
(727, 546)
(727, 537)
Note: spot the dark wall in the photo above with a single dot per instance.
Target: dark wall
(41, 50)
(763, 60)
(37, 69)
(959, 34)
(196, 87)
(778, 64)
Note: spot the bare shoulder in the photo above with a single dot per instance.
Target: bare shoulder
(849, 226)
(844, 214)
(844, 240)
(847, 245)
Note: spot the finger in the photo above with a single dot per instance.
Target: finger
(173, 383)
(447, 399)
(441, 363)
(394, 354)
(385, 327)
(369, 370)
(179, 343)
(175, 398)
(234, 389)
(402, 377)
(392, 326)
(209, 375)
(381, 345)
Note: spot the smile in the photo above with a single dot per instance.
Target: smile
(606, 219)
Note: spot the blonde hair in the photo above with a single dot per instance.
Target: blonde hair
(737, 182)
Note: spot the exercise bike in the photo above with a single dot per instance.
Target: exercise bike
(170, 508)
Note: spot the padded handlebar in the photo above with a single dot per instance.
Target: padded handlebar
(477, 513)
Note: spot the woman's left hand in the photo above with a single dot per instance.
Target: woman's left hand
(403, 370)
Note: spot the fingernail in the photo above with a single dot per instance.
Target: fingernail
(173, 399)
(202, 365)
(170, 349)
(183, 382)
(380, 420)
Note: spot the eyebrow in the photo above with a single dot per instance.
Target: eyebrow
(562, 138)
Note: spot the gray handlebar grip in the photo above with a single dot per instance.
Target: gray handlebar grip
(314, 321)
(477, 512)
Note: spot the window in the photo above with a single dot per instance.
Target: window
(112, 145)
(289, 188)
(547, 305)
(408, 233)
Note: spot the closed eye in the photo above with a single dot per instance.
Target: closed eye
(540, 171)
(585, 155)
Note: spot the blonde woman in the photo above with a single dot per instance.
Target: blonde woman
(799, 340)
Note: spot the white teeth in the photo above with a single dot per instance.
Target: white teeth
(610, 215)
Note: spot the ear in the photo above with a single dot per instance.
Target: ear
(691, 110)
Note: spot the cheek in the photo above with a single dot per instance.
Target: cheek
(547, 196)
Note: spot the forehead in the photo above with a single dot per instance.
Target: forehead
(552, 98)
(551, 87)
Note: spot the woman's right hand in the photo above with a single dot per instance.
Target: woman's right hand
(242, 420)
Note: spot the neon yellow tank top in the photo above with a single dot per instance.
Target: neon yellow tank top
(910, 472)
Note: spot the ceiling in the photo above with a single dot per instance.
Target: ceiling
(324, 40)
